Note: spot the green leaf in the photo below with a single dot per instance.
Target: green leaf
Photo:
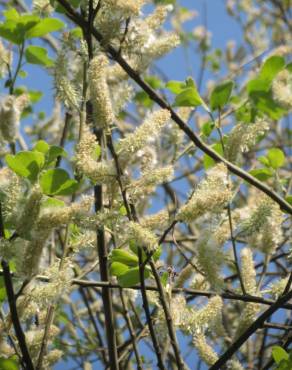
(118, 269)
(289, 199)
(265, 103)
(45, 26)
(271, 68)
(257, 85)
(132, 277)
(276, 158)
(125, 257)
(11, 14)
(77, 33)
(35, 95)
(157, 253)
(38, 55)
(154, 82)
(2, 290)
(289, 67)
(164, 278)
(41, 146)
(22, 74)
(279, 354)
(143, 98)
(8, 364)
(57, 181)
(9, 32)
(207, 160)
(264, 160)
(221, 95)
(123, 211)
(262, 174)
(55, 152)
(189, 97)
(52, 203)
(207, 128)
(175, 87)
(26, 164)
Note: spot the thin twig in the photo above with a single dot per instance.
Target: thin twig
(153, 95)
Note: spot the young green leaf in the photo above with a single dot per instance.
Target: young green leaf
(176, 87)
(8, 364)
(221, 95)
(35, 95)
(262, 174)
(41, 146)
(276, 158)
(118, 269)
(164, 278)
(264, 160)
(207, 160)
(26, 164)
(289, 199)
(2, 290)
(38, 55)
(271, 68)
(52, 203)
(264, 102)
(189, 97)
(279, 354)
(57, 182)
(125, 257)
(9, 32)
(45, 26)
(54, 152)
(207, 128)
(132, 277)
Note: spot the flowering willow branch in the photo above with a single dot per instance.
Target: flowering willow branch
(79, 20)
(131, 213)
(258, 323)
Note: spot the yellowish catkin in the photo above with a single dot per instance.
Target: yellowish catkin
(103, 115)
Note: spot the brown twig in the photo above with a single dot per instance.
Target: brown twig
(26, 359)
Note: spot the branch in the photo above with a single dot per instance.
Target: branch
(28, 365)
(258, 323)
(153, 95)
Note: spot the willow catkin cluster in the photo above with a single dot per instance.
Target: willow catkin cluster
(30, 213)
(52, 217)
(277, 288)
(282, 88)
(86, 161)
(10, 193)
(262, 227)
(211, 195)
(103, 115)
(147, 131)
(5, 60)
(205, 351)
(142, 236)
(126, 8)
(147, 183)
(248, 271)
(155, 221)
(234, 365)
(11, 108)
(243, 137)
(208, 252)
(65, 89)
(249, 281)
